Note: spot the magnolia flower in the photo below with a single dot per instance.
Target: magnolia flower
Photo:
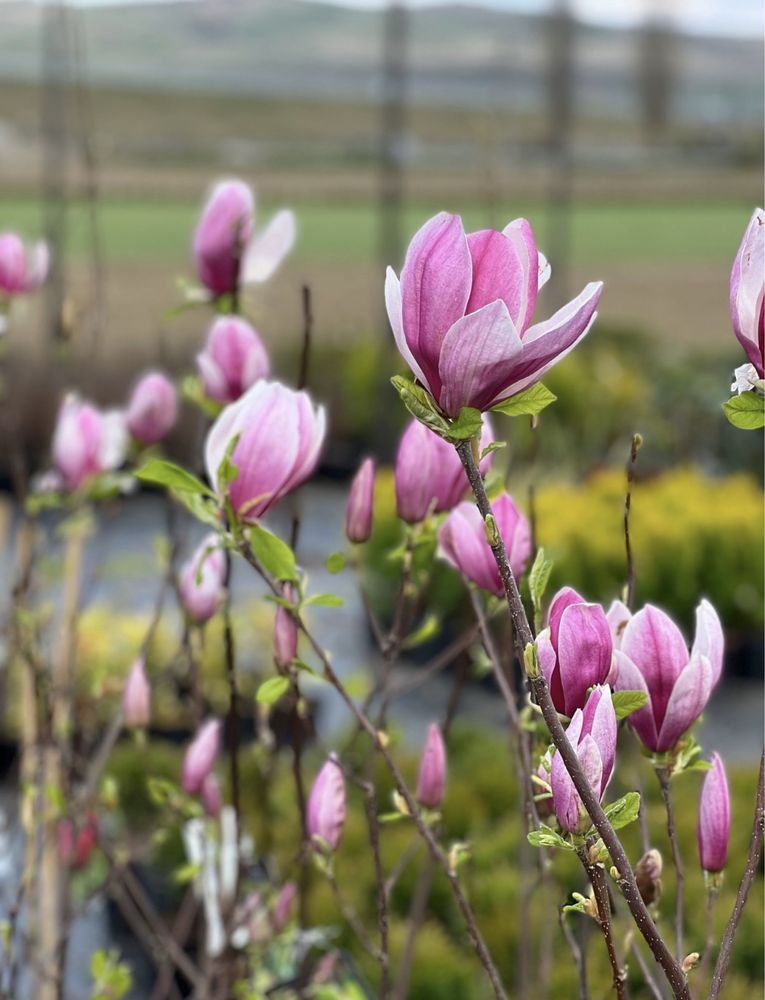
(152, 409)
(713, 831)
(136, 696)
(202, 579)
(429, 475)
(285, 631)
(747, 291)
(575, 650)
(461, 312)
(199, 759)
(462, 542)
(326, 806)
(227, 250)
(654, 658)
(280, 433)
(87, 442)
(359, 510)
(592, 733)
(234, 358)
(431, 780)
(22, 269)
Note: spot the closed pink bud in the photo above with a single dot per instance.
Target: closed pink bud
(76, 843)
(280, 434)
(280, 914)
(429, 474)
(359, 511)
(86, 442)
(210, 796)
(326, 807)
(285, 632)
(431, 780)
(575, 651)
(202, 579)
(222, 235)
(654, 658)
(592, 733)
(461, 312)
(713, 831)
(136, 696)
(747, 291)
(462, 542)
(22, 269)
(199, 759)
(234, 358)
(153, 408)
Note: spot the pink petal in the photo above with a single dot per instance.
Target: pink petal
(504, 267)
(687, 701)
(747, 286)
(657, 648)
(435, 287)
(521, 235)
(268, 249)
(709, 639)
(396, 319)
(584, 652)
(629, 678)
(565, 597)
(617, 617)
(478, 355)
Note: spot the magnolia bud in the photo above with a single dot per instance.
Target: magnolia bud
(326, 807)
(152, 409)
(76, 844)
(431, 780)
(234, 358)
(136, 696)
(648, 876)
(212, 801)
(714, 818)
(358, 514)
(285, 632)
(200, 757)
(283, 906)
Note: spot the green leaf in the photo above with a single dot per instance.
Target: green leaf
(420, 404)
(276, 557)
(494, 446)
(545, 836)
(426, 631)
(624, 811)
(538, 579)
(325, 601)
(528, 403)
(335, 562)
(227, 471)
(580, 906)
(203, 509)
(627, 702)
(193, 391)
(746, 411)
(270, 691)
(172, 476)
(467, 424)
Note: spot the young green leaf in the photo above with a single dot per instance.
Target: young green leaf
(746, 411)
(420, 404)
(324, 601)
(270, 691)
(335, 562)
(171, 476)
(624, 811)
(467, 424)
(427, 630)
(627, 702)
(538, 579)
(545, 836)
(276, 557)
(528, 403)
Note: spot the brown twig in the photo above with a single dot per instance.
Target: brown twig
(625, 876)
(630, 590)
(577, 954)
(750, 870)
(597, 876)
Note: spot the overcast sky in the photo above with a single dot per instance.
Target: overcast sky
(729, 17)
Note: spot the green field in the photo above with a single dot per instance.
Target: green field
(145, 230)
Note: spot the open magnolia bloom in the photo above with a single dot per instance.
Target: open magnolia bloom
(22, 268)
(87, 441)
(462, 309)
(654, 658)
(747, 292)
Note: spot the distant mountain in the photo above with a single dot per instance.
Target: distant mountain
(467, 55)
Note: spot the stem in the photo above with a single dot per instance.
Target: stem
(709, 939)
(666, 791)
(423, 829)
(626, 877)
(383, 955)
(653, 986)
(630, 589)
(752, 866)
(234, 734)
(597, 876)
(577, 954)
(307, 334)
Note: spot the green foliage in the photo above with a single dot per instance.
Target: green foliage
(528, 403)
(112, 978)
(273, 553)
(746, 411)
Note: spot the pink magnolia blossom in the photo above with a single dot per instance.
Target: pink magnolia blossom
(575, 650)
(202, 579)
(234, 358)
(210, 796)
(462, 310)
(654, 658)
(199, 759)
(462, 542)
(227, 250)
(429, 475)
(136, 696)
(713, 831)
(22, 269)
(747, 291)
(360, 507)
(431, 779)
(280, 433)
(326, 806)
(152, 409)
(592, 733)
(86, 442)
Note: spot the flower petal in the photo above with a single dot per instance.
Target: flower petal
(504, 267)
(478, 355)
(657, 648)
(687, 701)
(709, 640)
(521, 236)
(396, 319)
(584, 652)
(267, 249)
(629, 678)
